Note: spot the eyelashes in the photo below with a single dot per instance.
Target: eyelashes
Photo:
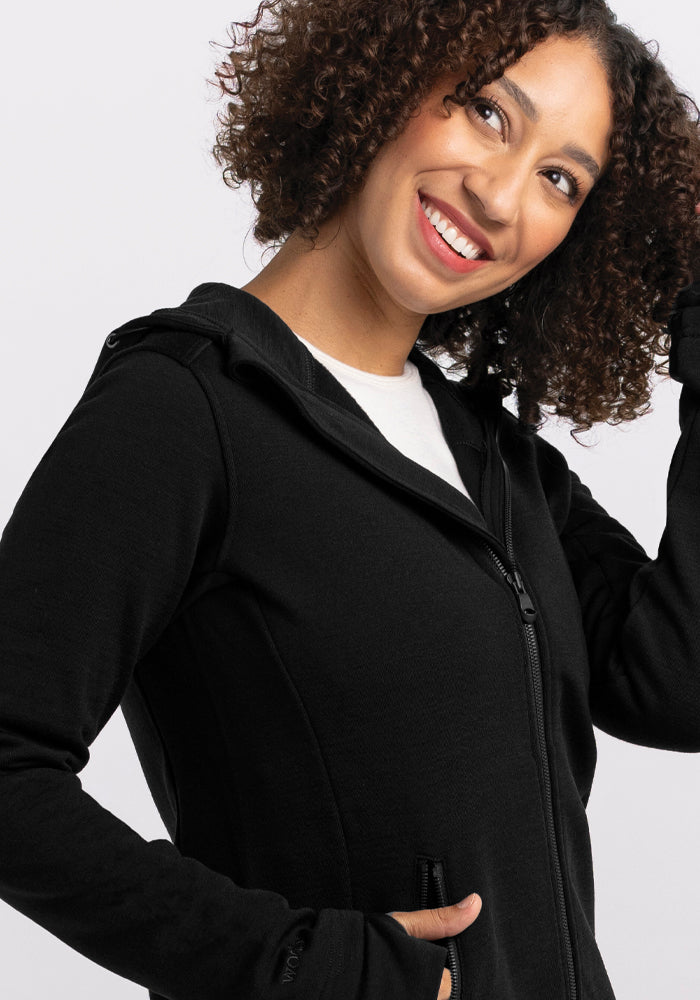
(478, 104)
(494, 106)
(573, 182)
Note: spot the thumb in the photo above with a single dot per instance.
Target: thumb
(440, 922)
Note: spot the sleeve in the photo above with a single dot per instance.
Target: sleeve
(641, 616)
(123, 510)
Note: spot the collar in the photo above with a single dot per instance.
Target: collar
(255, 339)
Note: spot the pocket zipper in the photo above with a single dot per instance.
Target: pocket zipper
(432, 893)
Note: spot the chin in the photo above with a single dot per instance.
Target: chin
(426, 305)
(416, 291)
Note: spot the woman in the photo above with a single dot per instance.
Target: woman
(359, 617)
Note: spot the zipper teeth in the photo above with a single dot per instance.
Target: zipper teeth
(309, 372)
(536, 679)
(423, 885)
(450, 942)
(510, 549)
(537, 686)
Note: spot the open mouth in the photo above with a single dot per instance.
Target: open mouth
(462, 244)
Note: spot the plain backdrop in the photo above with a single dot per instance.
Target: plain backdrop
(111, 207)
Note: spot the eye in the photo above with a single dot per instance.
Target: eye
(490, 112)
(563, 181)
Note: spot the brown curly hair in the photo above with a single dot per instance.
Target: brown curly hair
(320, 85)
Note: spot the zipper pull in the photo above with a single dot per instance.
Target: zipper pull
(527, 610)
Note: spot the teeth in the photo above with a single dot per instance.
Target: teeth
(471, 252)
(450, 234)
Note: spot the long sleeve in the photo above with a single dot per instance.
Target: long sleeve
(642, 616)
(124, 512)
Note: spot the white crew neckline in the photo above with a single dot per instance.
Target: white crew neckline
(409, 374)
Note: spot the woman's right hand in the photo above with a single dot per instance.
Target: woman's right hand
(441, 922)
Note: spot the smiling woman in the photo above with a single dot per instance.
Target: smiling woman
(509, 183)
(360, 618)
(579, 334)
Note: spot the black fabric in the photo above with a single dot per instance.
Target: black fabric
(324, 673)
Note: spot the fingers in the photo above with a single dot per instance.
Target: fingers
(440, 922)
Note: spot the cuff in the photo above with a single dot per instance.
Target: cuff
(377, 958)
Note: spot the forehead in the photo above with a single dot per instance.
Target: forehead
(561, 72)
(560, 85)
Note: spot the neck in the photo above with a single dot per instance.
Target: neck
(324, 296)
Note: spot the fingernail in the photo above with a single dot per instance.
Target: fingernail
(464, 903)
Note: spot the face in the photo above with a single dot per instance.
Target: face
(507, 175)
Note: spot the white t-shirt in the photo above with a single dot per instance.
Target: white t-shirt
(402, 409)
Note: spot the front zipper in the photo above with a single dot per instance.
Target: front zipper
(432, 893)
(528, 613)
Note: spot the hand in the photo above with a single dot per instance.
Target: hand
(431, 925)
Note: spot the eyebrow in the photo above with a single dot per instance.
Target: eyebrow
(519, 96)
(585, 159)
(530, 111)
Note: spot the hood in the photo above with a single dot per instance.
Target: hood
(250, 333)
(246, 329)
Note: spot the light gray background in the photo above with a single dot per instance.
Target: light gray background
(112, 208)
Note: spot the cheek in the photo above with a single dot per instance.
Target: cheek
(542, 236)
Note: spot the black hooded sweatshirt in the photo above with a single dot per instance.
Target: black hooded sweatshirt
(351, 688)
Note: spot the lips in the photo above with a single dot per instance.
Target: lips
(465, 226)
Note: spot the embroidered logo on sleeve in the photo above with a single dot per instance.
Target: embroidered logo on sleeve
(291, 966)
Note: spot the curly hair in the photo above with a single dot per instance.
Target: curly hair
(319, 87)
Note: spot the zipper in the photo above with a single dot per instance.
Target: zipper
(528, 614)
(433, 872)
(432, 893)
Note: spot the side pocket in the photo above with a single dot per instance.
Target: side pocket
(432, 893)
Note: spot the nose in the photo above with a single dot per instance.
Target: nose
(498, 188)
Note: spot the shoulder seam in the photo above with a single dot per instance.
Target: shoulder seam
(186, 360)
(226, 449)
